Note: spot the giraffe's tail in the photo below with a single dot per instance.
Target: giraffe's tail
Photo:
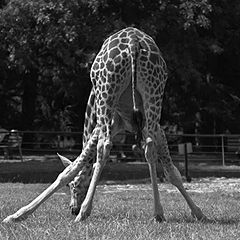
(138, 122)
(137, 116)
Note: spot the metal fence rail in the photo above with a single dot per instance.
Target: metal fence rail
(216, 149)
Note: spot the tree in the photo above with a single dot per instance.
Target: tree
(44, 43)
(49, 46)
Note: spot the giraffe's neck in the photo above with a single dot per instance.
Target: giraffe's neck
(82, 180)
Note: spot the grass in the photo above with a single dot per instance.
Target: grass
(124, 212)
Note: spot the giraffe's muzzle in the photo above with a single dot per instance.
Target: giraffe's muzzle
(74, 210)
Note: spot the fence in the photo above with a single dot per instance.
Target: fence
(211, 149)
(214, 149)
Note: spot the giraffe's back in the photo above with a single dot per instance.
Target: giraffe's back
(111, 72)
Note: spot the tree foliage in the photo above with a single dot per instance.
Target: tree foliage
(47, 47)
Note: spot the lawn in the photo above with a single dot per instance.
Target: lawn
(124, 212)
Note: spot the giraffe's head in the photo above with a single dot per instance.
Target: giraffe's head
(78, 186)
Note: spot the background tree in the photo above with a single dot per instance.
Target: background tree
(44, 45)
(47, 48)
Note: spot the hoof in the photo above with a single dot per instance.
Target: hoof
(81, 217)
(17, 217)
(8, 219)
(11, 219)
(202, 218)
(83, 214)
(158, 218)
(75, 211)
(199, 215)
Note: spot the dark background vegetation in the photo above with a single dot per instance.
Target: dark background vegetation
(47, 48)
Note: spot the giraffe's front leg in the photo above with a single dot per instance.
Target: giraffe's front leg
(85, 211)
(63, 178)
(103, 151)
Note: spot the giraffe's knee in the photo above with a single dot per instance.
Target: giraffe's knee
(150, 150)
(108, 145)
(149, 141)
(104, 147)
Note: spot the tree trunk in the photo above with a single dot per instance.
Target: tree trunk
(28, 105)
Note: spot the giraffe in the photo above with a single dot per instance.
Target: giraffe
(128, 77)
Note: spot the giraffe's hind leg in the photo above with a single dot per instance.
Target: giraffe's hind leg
(174, 176)
(151, 157)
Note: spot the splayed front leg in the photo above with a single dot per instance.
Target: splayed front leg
(103, 151)
(24, 212)
(63, 178)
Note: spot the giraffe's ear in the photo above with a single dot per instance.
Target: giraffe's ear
(66, 162)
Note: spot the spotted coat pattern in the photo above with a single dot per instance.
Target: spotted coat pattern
(128, 77)
(111, 75)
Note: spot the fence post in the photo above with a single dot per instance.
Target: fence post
(186, 163)
(223, 153)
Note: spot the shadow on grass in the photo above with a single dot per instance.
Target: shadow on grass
(182, 219)
(189, 219)
(225, 221)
